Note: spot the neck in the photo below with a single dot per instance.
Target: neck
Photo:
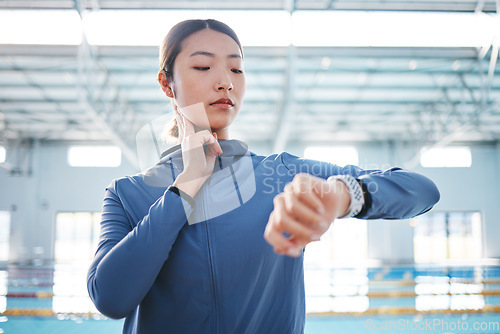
(222, 134)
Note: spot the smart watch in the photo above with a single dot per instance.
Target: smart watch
(355, 193)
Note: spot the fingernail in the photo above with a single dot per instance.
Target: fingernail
(315, 237)
(320, 210)
(293, 251)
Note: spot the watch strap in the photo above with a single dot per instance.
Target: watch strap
(182, 194)
(355, 193)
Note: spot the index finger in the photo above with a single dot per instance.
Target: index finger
(188, 127)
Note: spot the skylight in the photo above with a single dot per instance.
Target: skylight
(256, 27)
(393, 29)
(148, 27)
(57, 27)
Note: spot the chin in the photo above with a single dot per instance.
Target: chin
(218, 127)
(220, 123)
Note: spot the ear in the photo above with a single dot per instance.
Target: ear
(165, 84)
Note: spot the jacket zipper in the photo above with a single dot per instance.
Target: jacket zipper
(211, 265)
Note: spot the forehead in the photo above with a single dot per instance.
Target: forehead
(209, 40)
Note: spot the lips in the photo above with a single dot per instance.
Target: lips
(223, 101)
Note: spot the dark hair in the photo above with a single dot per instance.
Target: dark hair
(172, 46)
(172, 43)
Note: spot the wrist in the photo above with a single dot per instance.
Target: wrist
(355, 192)
(182, 194)
(188, 184)
(344, 198)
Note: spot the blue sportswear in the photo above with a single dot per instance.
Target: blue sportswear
(172, 267)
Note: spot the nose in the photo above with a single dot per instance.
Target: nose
(224, 84)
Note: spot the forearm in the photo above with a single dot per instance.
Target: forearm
(398, 194)
(390, 194)
(126, 265)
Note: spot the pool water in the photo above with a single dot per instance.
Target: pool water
(413, 299)
(429, 324)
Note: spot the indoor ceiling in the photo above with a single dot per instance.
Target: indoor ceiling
(295, 95)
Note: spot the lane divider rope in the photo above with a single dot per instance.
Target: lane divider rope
(373, 311)
(371, 294)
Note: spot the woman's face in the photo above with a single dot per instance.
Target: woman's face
(208, 82)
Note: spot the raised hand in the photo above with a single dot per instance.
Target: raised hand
(304, 211)
(199, 151)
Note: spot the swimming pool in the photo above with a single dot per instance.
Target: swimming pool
(391, 299)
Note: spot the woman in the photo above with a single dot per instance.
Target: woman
(210, 240)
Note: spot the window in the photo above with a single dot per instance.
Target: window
(94, 156)
(4, 235)
(344, 244)
(441, 236)
(2, 154)
(339, 155)
(77, 235)
(453, 156)
(4, 283)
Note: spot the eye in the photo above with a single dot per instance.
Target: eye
(235, 70)
(201, 68)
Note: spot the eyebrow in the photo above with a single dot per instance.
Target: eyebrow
(209, 54)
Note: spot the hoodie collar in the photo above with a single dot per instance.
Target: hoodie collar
(232, 149)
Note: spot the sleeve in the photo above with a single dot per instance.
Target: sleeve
(390, 194)
(128, 259)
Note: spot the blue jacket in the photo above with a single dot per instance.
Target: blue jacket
(172, 267)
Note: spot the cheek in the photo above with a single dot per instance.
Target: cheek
(197, 114)
(242, 87)
(189, 92)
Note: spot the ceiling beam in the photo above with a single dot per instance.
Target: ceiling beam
(99, 111)
(287, 108)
